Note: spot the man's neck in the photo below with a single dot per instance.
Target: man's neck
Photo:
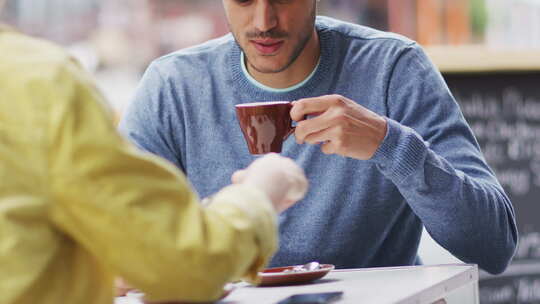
(296, 72)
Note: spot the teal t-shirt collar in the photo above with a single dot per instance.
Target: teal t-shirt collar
(270, 89)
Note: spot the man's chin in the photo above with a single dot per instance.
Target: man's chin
(269, 71)
(272, 68)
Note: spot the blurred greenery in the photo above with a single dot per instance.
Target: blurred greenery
(479, 18)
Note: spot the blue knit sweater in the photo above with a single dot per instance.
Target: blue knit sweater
(429, 169)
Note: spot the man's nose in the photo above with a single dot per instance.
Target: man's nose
(265, 17)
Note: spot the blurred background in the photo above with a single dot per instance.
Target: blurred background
(116, 39)
(487, 50)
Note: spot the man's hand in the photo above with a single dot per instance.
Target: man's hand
(341, 125)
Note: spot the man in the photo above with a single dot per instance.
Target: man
(79, 205)
(385, 146)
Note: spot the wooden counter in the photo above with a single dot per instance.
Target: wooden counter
(481, 59)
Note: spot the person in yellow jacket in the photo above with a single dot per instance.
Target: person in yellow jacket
(79, 205)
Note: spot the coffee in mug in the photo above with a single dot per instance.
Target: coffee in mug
(265, 125)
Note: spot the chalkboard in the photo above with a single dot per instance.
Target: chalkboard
(520, 284)
(503, 109)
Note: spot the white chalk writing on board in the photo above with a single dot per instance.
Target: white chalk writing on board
(504, 294)
(522, 290)
(507, 125)
(529, 245)
(528, 290)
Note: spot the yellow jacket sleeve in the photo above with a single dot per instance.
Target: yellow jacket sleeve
(137, 214)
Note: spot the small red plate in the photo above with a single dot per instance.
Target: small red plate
(278, 276)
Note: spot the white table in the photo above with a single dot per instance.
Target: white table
(410, 284)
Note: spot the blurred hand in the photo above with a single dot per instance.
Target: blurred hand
(341, 125)
(122, 287)
(279, 177)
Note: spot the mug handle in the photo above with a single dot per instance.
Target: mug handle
(293, 128)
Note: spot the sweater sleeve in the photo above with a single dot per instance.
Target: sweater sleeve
(137, 215)
(432, 156)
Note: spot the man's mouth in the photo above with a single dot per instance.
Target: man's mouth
(267, 46)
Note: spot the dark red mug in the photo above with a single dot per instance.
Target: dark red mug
(265, 125)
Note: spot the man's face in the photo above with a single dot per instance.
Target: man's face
(271, 33)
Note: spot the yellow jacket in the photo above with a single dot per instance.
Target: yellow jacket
(79, 205)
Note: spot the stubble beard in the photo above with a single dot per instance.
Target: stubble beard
(305, 36)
